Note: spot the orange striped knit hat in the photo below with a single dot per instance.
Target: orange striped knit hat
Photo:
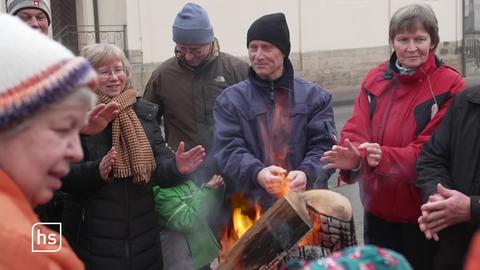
(35, 71)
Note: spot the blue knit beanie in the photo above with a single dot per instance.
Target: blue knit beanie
(192, 26)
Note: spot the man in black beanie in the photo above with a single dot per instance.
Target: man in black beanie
(272, 129)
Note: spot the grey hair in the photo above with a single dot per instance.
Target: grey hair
(83, 96)
(101, 54)
(412, 17)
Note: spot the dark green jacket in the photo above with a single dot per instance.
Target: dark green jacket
(186, 96)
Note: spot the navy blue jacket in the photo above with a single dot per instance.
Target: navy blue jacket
(241, 110)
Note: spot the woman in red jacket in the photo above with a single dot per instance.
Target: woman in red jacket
(401, 103)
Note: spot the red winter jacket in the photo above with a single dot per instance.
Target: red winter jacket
(397, 112)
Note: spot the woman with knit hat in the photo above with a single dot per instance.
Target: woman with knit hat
(44, 99)
(109, 215)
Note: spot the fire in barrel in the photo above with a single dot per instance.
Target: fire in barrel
(313, 224)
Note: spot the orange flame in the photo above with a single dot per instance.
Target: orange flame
(283, 188)
(244, 215)
(314, 237)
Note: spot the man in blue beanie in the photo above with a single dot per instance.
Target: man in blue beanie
(272, 129)
(185, 87)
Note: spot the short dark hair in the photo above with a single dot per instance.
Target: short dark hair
(409, 18)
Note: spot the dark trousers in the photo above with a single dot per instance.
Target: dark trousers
(405, 238)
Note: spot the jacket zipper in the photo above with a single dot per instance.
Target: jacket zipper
(127, 243)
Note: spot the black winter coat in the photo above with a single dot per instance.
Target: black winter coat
(452, 157)
(113, 225)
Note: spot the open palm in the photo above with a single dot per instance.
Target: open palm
(340, 157)
(188, 162)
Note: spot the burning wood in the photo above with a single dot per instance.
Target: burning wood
(282, 226)
(284, 231)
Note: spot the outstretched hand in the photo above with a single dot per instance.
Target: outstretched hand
(343, 158)
(99, 117)
(188, 162)
(215, 183)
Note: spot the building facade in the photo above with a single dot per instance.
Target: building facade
(334, 42)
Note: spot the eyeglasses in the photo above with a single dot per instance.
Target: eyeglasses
(193, 51)
(118, 71)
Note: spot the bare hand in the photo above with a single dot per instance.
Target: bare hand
(215, 182)
(106, 164)
(421, 220)
(272, 179)
(453, 209)
(99, 117)
(188, 162)
(373, 153)
(297, 180)
(343, 158)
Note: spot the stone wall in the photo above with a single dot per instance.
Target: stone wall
(338, 69)
(341, 69)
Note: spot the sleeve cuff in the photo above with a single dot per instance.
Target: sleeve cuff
(475, 208)
(256, 170)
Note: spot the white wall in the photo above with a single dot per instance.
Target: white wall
(315, 25)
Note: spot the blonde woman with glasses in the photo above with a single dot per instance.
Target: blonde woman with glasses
(109, 214)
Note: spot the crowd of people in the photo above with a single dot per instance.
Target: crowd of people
(79, 147)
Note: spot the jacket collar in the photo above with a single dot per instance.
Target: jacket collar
(285, 81)
(376, 85)
(391, 70)
(11, 188)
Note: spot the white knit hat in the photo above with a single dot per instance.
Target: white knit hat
(35, 71)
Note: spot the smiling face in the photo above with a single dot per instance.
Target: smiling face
(266, 59)
(39, 155)
(412, 48)
(35, 18)
(112, 78)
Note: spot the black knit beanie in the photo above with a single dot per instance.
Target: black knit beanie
(272, 28)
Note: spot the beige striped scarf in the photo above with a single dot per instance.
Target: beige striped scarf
(134, 152)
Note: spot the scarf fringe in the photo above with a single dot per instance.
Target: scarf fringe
(141, 174)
